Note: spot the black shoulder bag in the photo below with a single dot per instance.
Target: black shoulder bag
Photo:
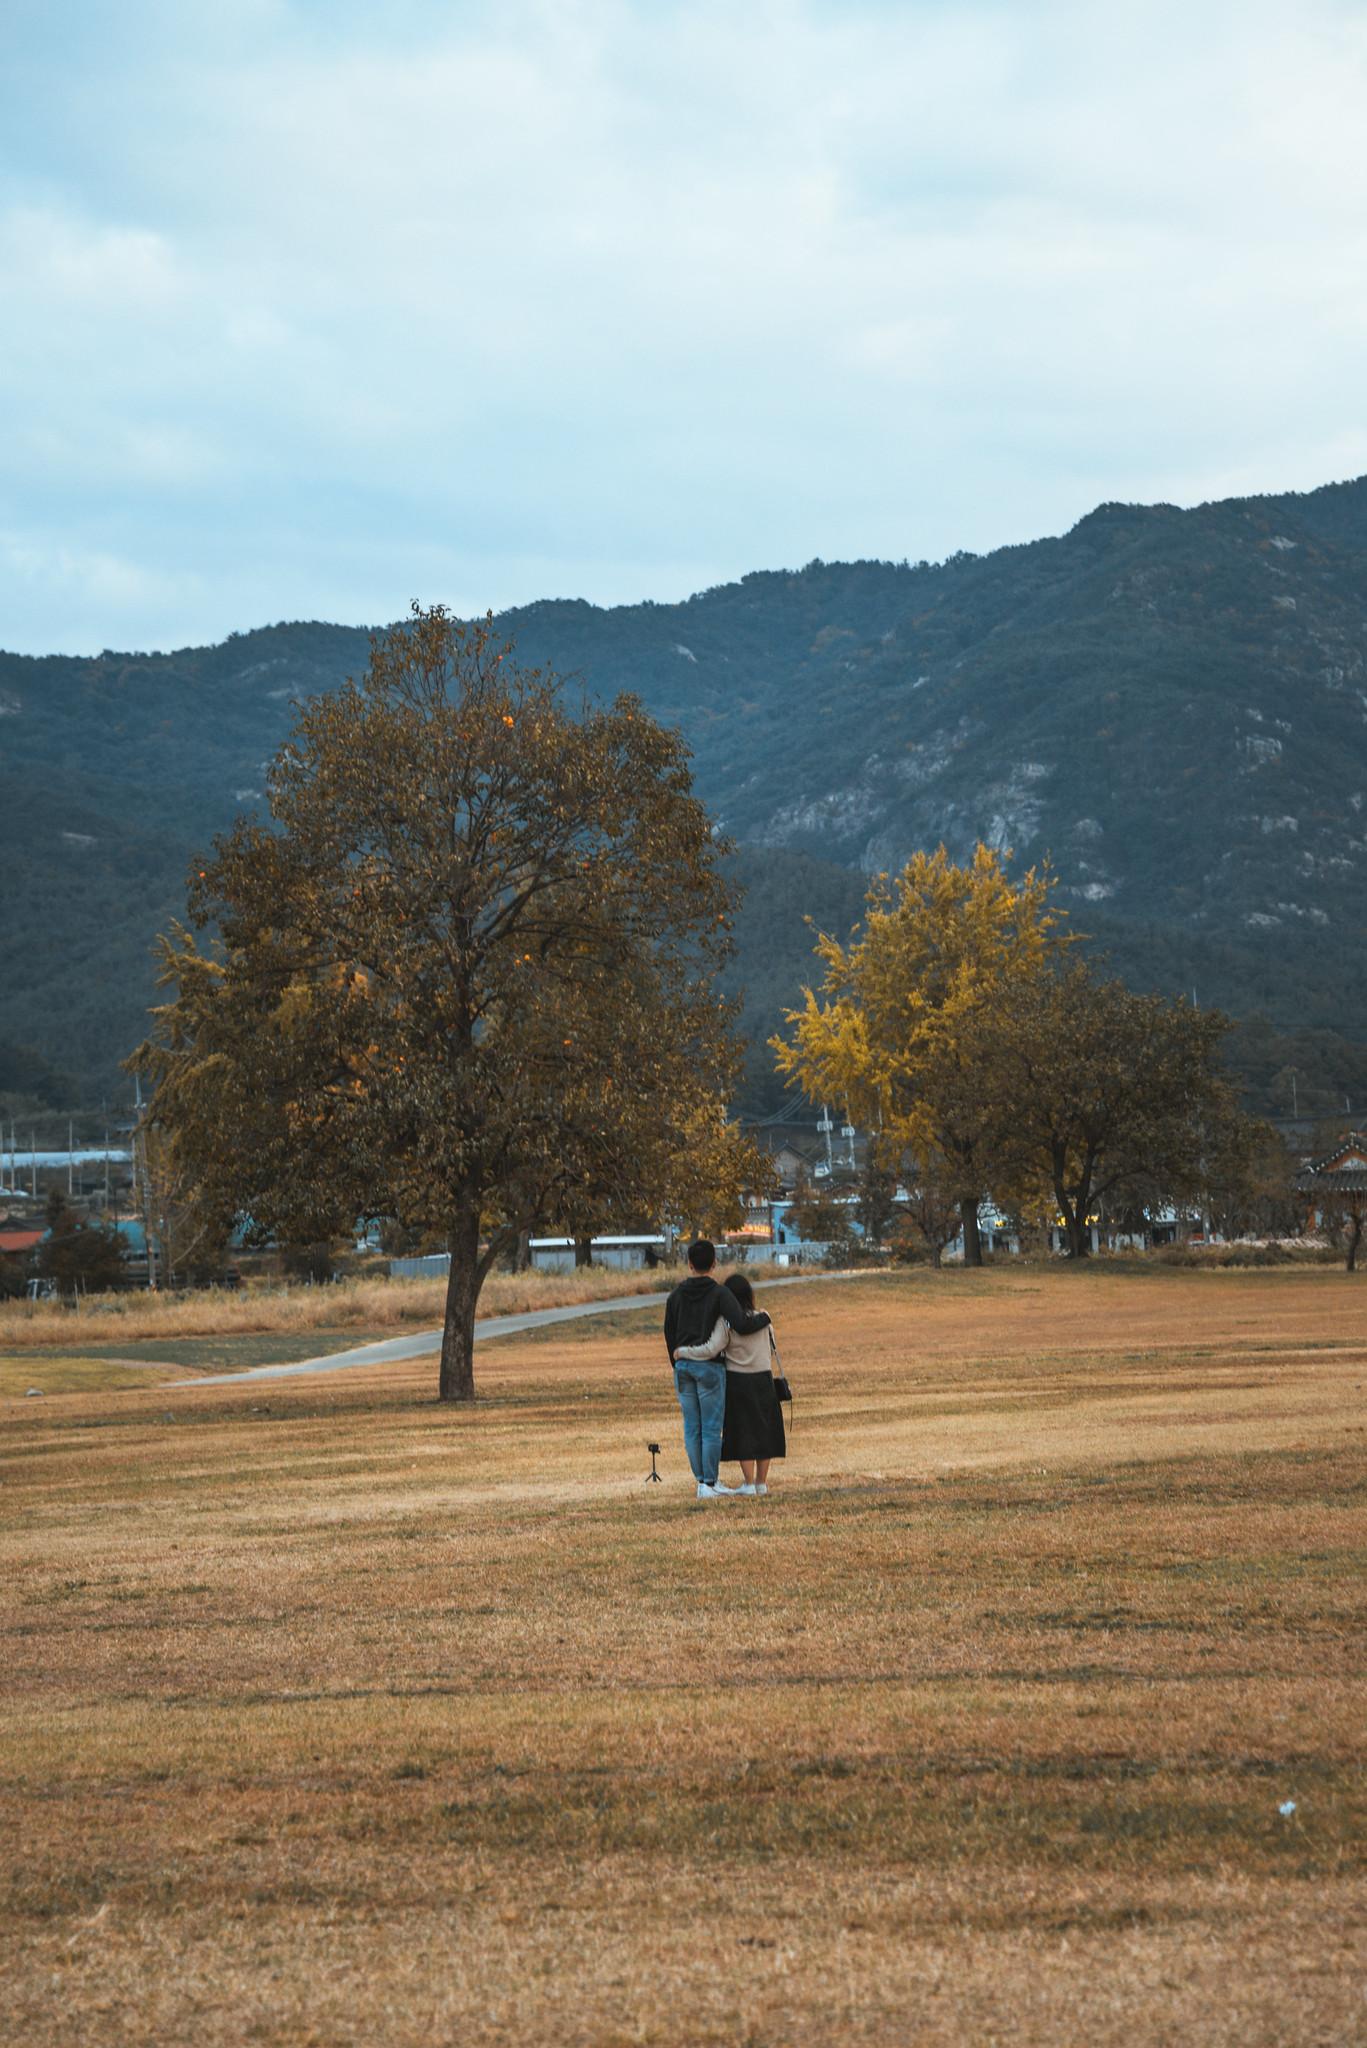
(781, 1386)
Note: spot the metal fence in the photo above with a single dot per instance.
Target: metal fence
(432, 1266)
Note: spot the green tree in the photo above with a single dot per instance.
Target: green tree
(815, 1213)
(930, 1218)
(464, 981)
(78, 1257)
(900, 1029)
(26, 1076)
(1107, 1098)
(1249, 1181)
(875, 1185)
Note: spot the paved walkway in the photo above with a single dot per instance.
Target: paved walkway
(424, 1342)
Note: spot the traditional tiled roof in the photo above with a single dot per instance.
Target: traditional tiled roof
(789, 1137)
(1342, 1171)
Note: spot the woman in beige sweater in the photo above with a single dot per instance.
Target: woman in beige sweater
(753, 1430)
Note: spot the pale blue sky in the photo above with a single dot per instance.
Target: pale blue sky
(310, 309)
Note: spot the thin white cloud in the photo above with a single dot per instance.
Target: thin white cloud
(75, 268)
(56, 572)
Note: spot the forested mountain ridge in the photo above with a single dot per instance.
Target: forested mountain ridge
(1170, 705)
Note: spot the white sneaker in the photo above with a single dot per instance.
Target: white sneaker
(706, 1492)
(761, 1487)
(722, 1487)
(750, 1488)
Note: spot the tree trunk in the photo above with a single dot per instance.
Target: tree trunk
(583, 1251)
(1079, 1235)
(973, 1244)
(457, 1378)
(1074, 1214)
(516, 1256)
(1354, 1237)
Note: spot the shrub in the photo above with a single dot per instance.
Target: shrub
(1198, 1256)
(313, 1262)
(842, 1252)
(80, 1258)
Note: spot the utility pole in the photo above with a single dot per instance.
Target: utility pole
(144, 1185)
(33, 1163)
(70, 1156)
(825, 1126)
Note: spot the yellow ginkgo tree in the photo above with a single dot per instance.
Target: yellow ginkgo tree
(900, 1027)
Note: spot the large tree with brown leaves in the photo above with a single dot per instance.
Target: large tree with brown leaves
(465, 976)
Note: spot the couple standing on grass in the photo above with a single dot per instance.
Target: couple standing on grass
(723, 1354)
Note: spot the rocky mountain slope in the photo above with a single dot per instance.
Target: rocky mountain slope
(1170, 705)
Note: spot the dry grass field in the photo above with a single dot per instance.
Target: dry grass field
(374, 1305)
(331, 1717)
(59, 1347)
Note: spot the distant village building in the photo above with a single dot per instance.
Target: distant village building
(790, 1165)
(798, 1152)
(548, 1255)
(1337, 1188)
(18, 1240)
(622, 1254)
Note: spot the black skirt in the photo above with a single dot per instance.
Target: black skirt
(754, 1417)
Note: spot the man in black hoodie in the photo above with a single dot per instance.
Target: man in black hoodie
(690, 1316)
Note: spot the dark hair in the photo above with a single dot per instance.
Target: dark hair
(702, 1255)
(741, 1288)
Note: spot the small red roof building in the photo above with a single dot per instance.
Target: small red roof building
(13, 1241)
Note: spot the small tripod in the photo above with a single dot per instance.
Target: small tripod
(652, 1475)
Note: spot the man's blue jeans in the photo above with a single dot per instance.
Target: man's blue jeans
(701, 1387)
